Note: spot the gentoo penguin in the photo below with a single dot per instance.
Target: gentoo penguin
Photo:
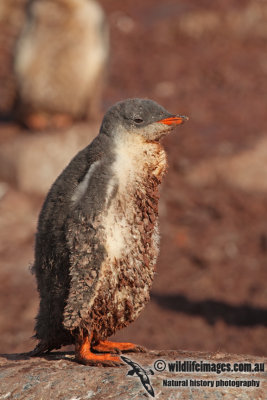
(97, 240)
(60, 62)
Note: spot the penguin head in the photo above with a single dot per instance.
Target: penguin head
(141, 117)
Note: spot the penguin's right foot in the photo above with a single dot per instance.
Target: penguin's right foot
(36, 121)
(84, 355)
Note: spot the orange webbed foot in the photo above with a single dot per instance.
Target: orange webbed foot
(36, 121)
(61, 121)
(84, 355)
(99, 360)
(117, 347)
(39, 121)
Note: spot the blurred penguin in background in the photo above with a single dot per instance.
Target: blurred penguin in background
(60, 62)
(12, 18)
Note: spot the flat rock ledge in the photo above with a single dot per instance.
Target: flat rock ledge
(57, 376)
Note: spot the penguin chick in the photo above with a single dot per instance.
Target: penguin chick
(97, 240)
(60, 62)
(12, 18)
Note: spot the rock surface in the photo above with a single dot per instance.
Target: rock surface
(57, 377)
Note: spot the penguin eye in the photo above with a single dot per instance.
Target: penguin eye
(138, 120)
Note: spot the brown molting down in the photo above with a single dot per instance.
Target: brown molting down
(135, 272)
(123, 284)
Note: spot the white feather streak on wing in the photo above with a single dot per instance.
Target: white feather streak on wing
(83, 185)
(110, 188)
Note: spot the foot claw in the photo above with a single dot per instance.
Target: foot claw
(137, 349)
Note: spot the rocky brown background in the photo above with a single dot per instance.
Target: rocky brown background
(207, 60)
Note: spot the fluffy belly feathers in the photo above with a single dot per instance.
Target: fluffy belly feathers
(127, 274)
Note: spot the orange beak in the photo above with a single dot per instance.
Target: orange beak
(175, 120)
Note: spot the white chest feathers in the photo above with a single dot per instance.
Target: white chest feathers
(135, 159)
(134, 163)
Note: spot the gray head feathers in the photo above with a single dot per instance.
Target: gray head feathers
(132, 113)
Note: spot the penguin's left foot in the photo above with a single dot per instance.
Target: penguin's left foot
(84, 355)
(104, 346)
(61, 121)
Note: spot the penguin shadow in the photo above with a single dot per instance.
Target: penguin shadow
(212, 310)
(6, 118)
(53, 356)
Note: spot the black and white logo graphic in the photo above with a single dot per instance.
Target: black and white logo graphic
(141, 373)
